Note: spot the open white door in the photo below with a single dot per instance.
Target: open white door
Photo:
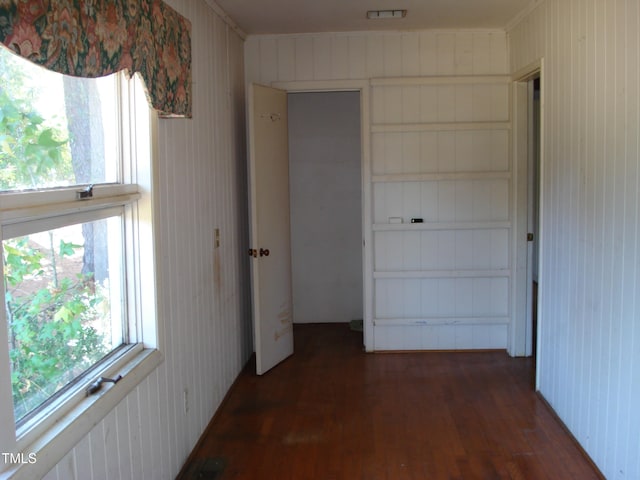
(270, 231)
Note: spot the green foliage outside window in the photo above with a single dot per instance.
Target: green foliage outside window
(51, 317)
(51, 336)
(32, 151)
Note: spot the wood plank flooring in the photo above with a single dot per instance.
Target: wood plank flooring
(332, 411)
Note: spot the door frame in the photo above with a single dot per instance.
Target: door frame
(361, 86)
(522, 333)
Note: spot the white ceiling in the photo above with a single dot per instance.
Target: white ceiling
(298, 16)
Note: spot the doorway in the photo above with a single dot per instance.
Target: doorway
(533, 209)
(325, 184)
(528, 108)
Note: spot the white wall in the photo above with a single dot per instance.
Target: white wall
(439, 130)
(326, 215)
(590, 246)
(360, 55)
(202, 292)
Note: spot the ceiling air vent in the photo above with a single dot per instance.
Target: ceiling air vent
(374, 14)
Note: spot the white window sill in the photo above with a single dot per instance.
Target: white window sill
(37, 459)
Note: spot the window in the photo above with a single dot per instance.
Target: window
(75, 212)
(64, 299)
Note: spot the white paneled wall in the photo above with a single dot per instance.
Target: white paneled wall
(451, 200)
(438, 100)
(440, 151)
(589, 351)
(440, 250)
(202, 292)
(370, 55)
(439, 128)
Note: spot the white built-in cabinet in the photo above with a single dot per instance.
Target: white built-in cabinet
(440, 153)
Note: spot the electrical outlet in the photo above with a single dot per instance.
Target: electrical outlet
(186, 400)
(217, 238)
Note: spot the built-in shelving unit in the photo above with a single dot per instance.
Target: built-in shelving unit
(440, 158)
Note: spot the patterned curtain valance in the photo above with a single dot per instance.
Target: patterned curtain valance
(94, 38)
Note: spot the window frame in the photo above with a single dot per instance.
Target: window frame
(54, 430)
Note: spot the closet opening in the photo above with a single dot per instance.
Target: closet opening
(325, 187)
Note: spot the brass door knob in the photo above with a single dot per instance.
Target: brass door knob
(264, 252)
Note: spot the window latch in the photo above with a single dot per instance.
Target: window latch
(97, 385)
(85, 193)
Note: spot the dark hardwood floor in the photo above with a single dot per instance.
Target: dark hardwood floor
(333, 412)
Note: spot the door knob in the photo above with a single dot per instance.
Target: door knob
(253, 252)
(264, 252)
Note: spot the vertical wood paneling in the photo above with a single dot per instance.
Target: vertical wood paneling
(357, 62)
(430, 250)
(482, 54)
(446, 53)
(470, 201)
(268, 59)
(499, 58)
(303, 59)
(375, 58)
(97, 458)
(83, 461)
(453, 103)
(286, 64)
(589, 336)
(66, 467)
(109, 447)
(203, 292)
(146, 409)
(340, 57)
(410, 49)
(123, 435)
(322, 56)
(428, 53)
(464, 53)
(391, 54)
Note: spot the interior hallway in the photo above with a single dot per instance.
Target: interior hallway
(333, 412)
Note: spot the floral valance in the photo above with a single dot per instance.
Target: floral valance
(94, 38)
